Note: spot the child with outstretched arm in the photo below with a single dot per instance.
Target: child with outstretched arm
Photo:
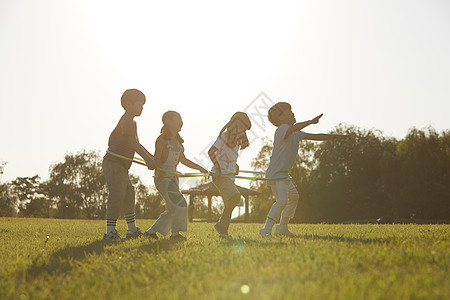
(169, 151)
(124, 142)
(284, 152)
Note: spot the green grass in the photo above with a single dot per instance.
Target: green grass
(322, 262)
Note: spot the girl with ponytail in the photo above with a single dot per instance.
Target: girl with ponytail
(224, 154)
(169, 151)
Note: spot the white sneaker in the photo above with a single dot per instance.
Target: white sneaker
(283, 231)
(264, 234)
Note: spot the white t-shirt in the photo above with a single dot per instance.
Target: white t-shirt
(226, 156)
(284, 152)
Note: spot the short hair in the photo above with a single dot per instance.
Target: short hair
(276, 110)
(131, 96)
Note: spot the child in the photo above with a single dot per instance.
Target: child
(123, 141)
(284, 153)
(223, 154)
(168, 152)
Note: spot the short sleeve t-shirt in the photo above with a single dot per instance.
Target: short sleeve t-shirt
(284, 152)
(226, 156)
(120, 141)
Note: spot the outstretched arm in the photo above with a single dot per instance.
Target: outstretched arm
(191, 164)
(301, 125)
(325, 137)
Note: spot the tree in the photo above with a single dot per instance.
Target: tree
(78, 186)
(30, 195)
(8, 201)
(347, 181)
(424, 179)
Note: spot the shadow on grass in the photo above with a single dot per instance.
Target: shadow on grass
(161, 246)
(63, 260)
(66, 259)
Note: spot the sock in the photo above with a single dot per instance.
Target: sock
(110, 225)
(284, 222)
(131, 222)
(269, 224)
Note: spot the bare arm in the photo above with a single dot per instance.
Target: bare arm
(191, 164)
(325, 137)
(212, 155)
(133, 140)
(301, 125)
(149, 159)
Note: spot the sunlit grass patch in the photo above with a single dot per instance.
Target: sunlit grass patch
(320, 262)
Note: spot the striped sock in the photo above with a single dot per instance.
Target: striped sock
(131, 222)
(110, 225)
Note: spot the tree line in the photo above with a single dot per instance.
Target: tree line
(366, 177)
(361, 178)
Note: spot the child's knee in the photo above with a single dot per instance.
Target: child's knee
(234, 200)
(281, 202)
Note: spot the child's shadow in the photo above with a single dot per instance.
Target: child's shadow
(160, 246)
(62, 260)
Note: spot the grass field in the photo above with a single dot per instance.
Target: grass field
(321, 262)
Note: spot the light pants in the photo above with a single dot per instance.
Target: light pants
(121, 194)
(230, 195)
(175, 218)
(286, 196)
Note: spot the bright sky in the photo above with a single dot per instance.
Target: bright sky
(64, 65)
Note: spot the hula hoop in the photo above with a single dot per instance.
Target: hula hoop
(140, 161)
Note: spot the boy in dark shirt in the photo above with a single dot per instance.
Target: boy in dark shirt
(124, 142)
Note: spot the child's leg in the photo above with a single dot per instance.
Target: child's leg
(280, 191)
(291, 206)
(129, 207)
(164, 222)
(231, 198)
(229, 205)
(115, 176)
(180, 216)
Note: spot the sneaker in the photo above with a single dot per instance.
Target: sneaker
(222, 231)
(113, 235)
(178, 238)
(264, 234)
(150, 235)
(285, 232)
(134, 234)
(225, 236)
